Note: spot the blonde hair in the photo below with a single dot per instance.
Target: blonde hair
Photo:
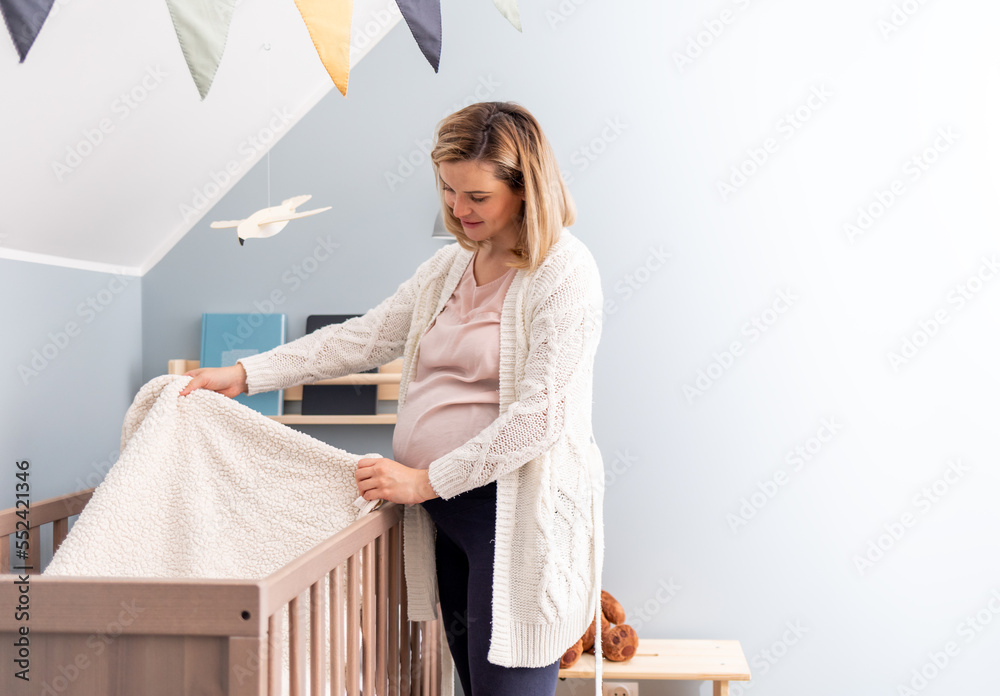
(505, 135)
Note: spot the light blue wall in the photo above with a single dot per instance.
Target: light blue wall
(366, 156)
(71, 353)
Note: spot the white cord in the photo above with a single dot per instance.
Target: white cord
(267, 70)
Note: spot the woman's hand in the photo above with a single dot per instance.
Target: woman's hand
(392, 481)
(228, 381)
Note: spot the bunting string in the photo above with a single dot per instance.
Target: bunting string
(202, 27)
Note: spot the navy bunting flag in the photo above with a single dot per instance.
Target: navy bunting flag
(423, 17)
(24, 20)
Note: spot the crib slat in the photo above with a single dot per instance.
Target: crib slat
(34, 550)
(435, 644)
(381, 595)
(297, 648)
(353, 624)
(404, 624)
(392, 661)
(412, 676)
(425, 658)
(416, 680)
(337, 623)
(275, 641)
(60, 528)
(317, 634)
(5, 554)
(368, 618)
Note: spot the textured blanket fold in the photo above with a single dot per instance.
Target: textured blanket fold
(206, 487)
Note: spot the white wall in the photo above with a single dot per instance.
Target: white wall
(680, 468)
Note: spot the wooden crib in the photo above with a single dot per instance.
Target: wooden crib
(176, 637)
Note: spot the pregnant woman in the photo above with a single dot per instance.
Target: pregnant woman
(494, 457)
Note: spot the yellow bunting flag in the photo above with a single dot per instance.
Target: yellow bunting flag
(329, 25)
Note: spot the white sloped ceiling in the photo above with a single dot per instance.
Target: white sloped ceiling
(109, 155)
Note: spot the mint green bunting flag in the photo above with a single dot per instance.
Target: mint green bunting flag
(202, 27)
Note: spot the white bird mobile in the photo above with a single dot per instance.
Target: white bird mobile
(268, 221)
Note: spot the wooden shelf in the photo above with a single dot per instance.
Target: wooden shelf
(298, 419)
(387, 380)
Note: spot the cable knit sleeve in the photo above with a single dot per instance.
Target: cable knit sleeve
(563, 332)
(356, 345)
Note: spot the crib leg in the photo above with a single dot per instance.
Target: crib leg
(247, 666)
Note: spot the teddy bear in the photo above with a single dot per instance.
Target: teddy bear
(618, 640)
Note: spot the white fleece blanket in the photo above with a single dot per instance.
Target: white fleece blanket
(206, 487)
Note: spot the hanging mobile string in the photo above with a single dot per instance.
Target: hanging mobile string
(268, 221)
(267, 81)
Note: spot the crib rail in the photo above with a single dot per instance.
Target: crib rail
(54, 511)
(123, 636)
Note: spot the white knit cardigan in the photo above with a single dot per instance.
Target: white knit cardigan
(540, 450)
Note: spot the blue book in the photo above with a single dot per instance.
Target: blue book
(225, 338)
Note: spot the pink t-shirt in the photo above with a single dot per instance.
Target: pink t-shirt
(456, 390)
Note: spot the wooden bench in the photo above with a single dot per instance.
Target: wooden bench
(718, 661)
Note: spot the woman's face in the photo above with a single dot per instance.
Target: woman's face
(487, 208)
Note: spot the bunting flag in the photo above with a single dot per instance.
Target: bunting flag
(202, 28)
(508, 8)
(329, 25)
(423, 17)
(24, 20)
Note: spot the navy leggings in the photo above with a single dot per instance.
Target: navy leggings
(464, 548)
